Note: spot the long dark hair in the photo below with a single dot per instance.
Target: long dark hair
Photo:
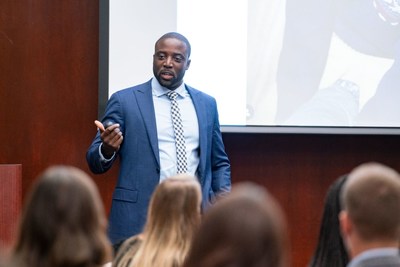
(330, 250)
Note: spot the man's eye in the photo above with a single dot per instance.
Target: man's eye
(178, 59)
(161, 57)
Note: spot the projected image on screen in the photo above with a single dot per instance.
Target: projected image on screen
(273, 63)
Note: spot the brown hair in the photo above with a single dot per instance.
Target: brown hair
(247, 228)
(63, 222)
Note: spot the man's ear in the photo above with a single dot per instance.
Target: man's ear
(188, 64)
(345, 224)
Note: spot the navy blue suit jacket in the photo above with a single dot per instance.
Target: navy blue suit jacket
(139, 159)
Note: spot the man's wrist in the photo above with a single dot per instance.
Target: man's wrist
(105, 157)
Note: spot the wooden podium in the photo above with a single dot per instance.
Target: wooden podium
(10, 202)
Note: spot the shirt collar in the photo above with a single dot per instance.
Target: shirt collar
(374, 253)
(159, 90)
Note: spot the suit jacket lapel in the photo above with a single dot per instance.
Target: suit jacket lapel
(146, 106)
(202, 118)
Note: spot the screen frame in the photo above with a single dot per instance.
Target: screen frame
(103, 92)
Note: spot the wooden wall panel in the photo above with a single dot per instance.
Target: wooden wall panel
(48, 81)
(48, 101)
(298, 169)
(49, 85)
(10, 199)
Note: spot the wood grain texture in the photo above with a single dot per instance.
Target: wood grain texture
(10, 199)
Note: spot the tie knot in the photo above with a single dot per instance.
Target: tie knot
(172, 95)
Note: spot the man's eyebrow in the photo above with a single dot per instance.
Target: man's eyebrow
(173, 54)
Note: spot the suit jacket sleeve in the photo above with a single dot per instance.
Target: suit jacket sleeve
(113, 113)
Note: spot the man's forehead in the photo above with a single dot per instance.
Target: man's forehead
(171, 45)
(171, 41)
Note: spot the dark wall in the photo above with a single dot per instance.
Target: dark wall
(49, 85)
(298, 169)
(48, 102)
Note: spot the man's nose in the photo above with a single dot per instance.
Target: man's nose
(168, 62)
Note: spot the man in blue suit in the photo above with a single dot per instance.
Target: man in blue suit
(142, 137)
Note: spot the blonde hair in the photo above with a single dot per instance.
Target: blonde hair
(173, 218)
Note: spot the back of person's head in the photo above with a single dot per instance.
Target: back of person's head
(330, 250)
(62, 223)
(2, 259)
(371, 203)
(173, 217)
(247, 228)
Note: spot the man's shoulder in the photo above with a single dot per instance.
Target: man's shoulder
(195, 92)
(138, 87)
(380, 261)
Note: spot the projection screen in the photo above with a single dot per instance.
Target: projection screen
(274, 66)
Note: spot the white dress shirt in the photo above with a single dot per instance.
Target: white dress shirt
(165, 131)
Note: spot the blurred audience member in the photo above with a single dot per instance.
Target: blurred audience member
(245, 229)
(2, 262)
(63, 223)
(173, 218)
(330, 250)
(370, 219)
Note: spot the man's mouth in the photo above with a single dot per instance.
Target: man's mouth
(166, 75)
